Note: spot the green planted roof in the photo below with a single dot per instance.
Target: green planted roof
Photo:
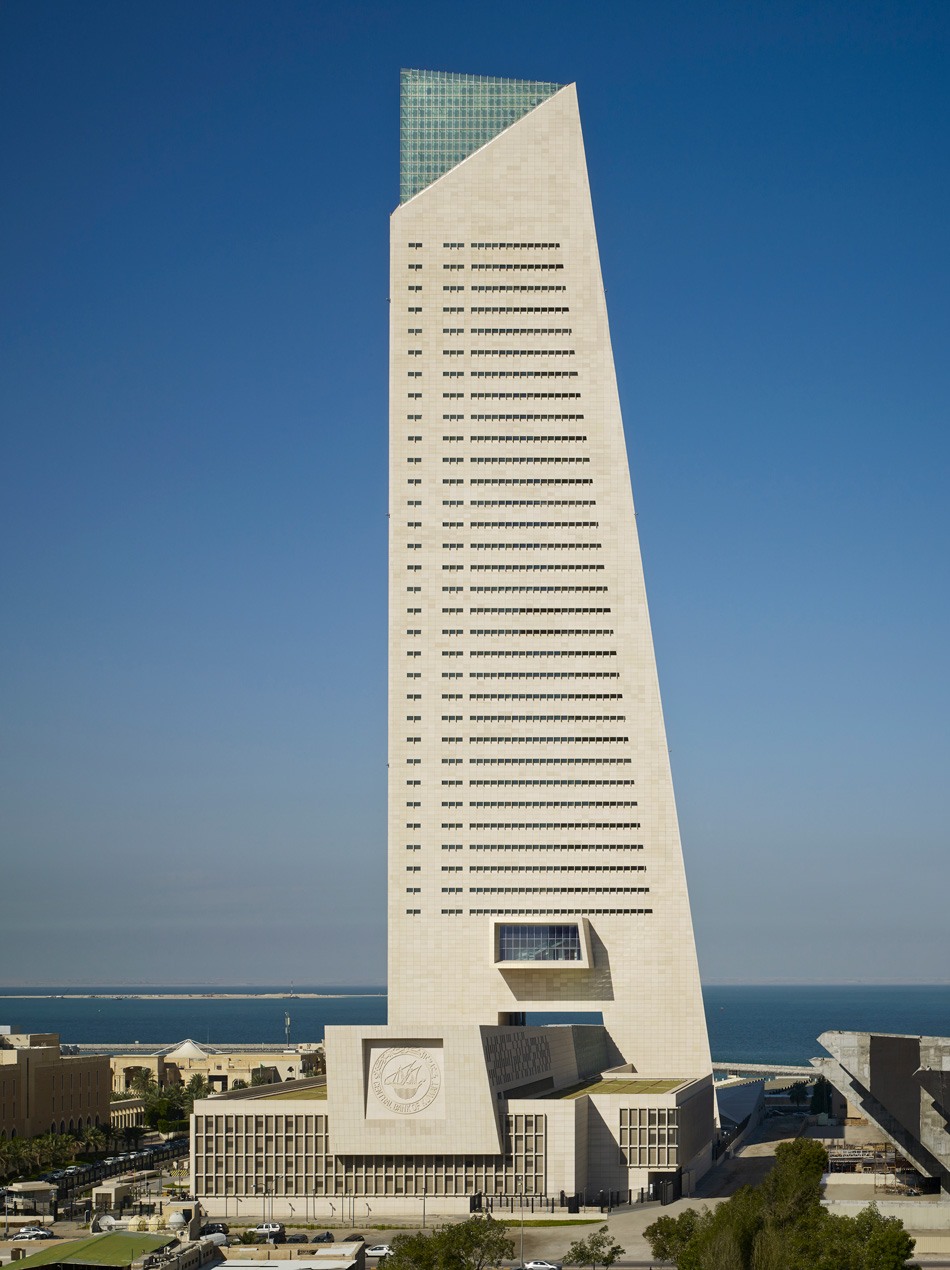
(632, 1086)
(443, 118)
(117, 1249)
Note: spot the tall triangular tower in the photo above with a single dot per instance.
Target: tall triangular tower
(534, 849)
(534, 854)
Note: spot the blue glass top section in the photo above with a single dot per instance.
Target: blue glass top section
(443, 118)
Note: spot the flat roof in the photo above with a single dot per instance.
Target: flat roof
(309, 1094)
(339, 1262)
(114, 1249)
(633, 1086)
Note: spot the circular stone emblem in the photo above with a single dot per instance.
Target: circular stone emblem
(406, 1080)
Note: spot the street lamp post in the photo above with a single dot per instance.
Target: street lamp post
(520, 1192)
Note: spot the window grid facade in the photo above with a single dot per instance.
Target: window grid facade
(649, 1137)
(288, 1155)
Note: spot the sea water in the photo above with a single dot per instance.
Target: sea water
(747, 1023)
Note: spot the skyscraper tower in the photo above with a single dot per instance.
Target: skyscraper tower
(534, 853)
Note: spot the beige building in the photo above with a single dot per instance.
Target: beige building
(43, 1090)
(534, 854)
(176, 1065)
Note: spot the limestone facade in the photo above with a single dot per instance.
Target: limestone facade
(43, 1090)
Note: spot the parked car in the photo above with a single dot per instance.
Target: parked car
(272, 1230)
(354, 1239)
(379, 1250)
(214, 1228)
(297, 1239)
(542, 1265)
(325, 1238)
(33, 1232)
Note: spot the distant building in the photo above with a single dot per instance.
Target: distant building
(177, 1064)
(535, 862)
(901, 1085)
(43, 1090)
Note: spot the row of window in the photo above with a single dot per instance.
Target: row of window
(544, 825)
(553, 890)
(498, 568)
(544, 740)
(534, 590)
(516, 246)
(511, 352)
(572, 759)
(587, 780)
(521, 265)
(531, 440)
(542, 652)
(556, 912)
(585, 802)
(529, 546)
(551, 846)
(545, 718)
(542, 674)
(526, 480)
(533, 524)
(513, 308)
(552, 868)
(513, 330)
(521, 459)
(528, 502)
(499, 286)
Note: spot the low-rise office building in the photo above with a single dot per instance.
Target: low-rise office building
(43, 1090)
(534, 1113)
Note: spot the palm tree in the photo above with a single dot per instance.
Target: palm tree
(197, 1087)
(11, 1157)
(113, 1134)
(143, 1084)
(94, 1139)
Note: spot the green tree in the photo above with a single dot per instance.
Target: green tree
(197, 1087)
(670, 1236)
(239, 1084)
(798, 1093)
(781, 1225)
(143, 1083)
(12, 1158)
(260, 1076)
(598, 1249)
(94, 1140)
(886, 1243)
(469, 1245)
(821, 1097)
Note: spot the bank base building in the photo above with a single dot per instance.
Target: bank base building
(535, 866)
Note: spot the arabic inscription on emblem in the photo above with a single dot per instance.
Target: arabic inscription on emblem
(406, 1081)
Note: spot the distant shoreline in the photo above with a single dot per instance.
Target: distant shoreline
(185, 996)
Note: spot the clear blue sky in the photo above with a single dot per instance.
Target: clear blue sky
(193, 245)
